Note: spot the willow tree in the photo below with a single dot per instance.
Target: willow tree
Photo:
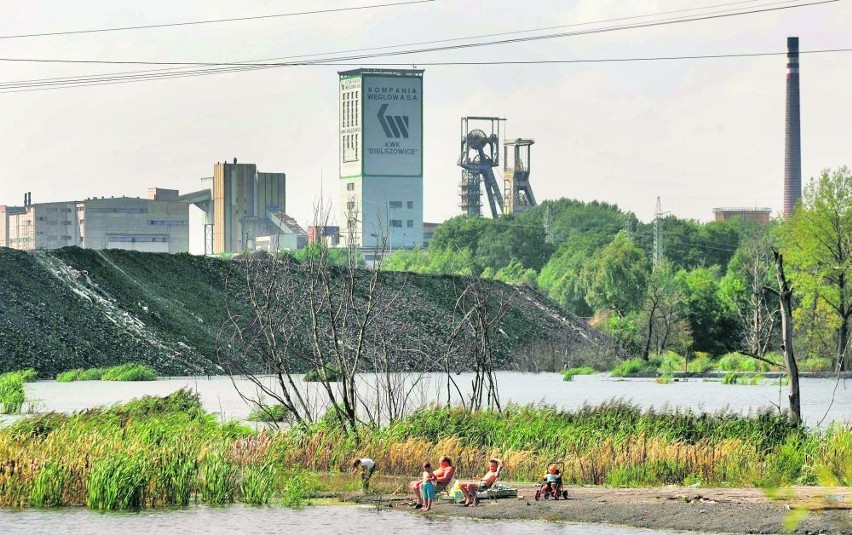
(818, 245)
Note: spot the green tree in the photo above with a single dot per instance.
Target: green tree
(817, 242)
(713, 327)
(615, 277)
(662, 317)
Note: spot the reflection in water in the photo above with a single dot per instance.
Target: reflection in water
(220, 397)
(251, 520)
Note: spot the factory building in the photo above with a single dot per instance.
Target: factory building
(381, 159)
(245, 210)
(754, 215)
(159, 223)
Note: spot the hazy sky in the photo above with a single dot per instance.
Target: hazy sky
(698, 133)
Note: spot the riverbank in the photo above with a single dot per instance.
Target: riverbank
(718, 510)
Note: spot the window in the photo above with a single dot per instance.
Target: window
(396, 223)
(168, 223)
(394, 204)
(350, 205)
(410, 205)
(350, 186)
(409, 223)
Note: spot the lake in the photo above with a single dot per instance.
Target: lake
(256, 520)
(220, 397)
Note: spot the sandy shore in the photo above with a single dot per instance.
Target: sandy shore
(821, 510)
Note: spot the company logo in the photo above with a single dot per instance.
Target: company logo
(395, 126)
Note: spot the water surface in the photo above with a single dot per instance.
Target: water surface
(246, 520)
(220, 397)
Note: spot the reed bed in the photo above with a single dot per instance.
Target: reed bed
(122, 372)
(157, 452)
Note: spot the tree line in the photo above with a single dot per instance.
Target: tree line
(711, 291)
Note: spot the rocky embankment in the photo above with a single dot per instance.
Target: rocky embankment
(75, 308)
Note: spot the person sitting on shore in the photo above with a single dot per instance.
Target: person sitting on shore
(443, 476)
(471, 488)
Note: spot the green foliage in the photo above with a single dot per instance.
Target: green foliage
(568, 375)
(12, 390)
(272, 413)
(713, 326)
(732, 378)
(47, 485)
(665, 378)
(69, 376)
(701, 364)
(117, 482)
(815, 246)
(669, 362)
(326, 374)
(615, 277)
(816, 364)
(299, 485)
(258, 483)
(218, 479)
(129, 372)
(632, 366)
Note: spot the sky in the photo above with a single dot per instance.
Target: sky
(697, 133)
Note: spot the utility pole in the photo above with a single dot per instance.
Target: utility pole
(658, 234)
(548, 227)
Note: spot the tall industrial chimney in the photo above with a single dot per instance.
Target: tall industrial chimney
(793, 131)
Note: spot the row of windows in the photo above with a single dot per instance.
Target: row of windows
(350, 147)
(397, 223)
(118, 210)
(137, 239)
(398, 204)
(168, 223)
(350, 110)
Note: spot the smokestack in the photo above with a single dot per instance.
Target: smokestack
(793, 133)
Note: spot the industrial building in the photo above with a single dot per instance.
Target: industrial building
(159, 223)
(480, 153)
(245, 210)
(381, 159)
(754, 215)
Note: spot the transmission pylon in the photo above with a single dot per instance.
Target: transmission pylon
(658, 234)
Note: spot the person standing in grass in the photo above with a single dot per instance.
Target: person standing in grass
(427, 487)
(367, 466)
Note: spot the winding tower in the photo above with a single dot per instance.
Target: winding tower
(480, 154)
(517, 192)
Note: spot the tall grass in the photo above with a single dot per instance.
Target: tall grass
(92, 374)
(12, 390)
(632, 366)
(157, 452)
(568, 375)
(122, 372)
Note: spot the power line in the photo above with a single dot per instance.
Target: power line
(224, 67)
(676, 20)
(214, 21)
(117, 78)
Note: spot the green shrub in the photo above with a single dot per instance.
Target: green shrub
(130, 372)
(69, 376)
(665, 378)
(298, 487)
(92, 374)
(632, 366)
(735, 362)
(272, 413)
(568, 375)
(731, 378)
(327, 373)
(816, 364)
(700, 364)
(669, 362)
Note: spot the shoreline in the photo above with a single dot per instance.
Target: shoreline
(718, 510)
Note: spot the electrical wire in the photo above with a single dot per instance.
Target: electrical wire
(223, 67)
(442, 48)
(215, 21)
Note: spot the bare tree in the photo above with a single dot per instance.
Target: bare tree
(785, 298)
(482, 310)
